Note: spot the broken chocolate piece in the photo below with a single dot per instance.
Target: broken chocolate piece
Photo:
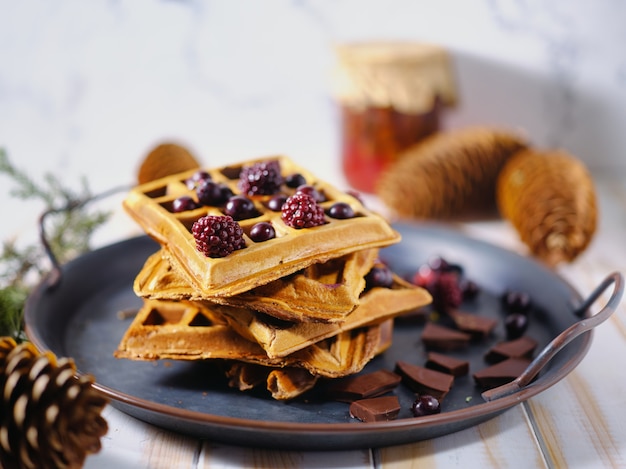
(479, 327)
(376, 409)
(363, 386)
(446, 364)
(524, 347)
(501, 373)
(443, 338)
(424, 381)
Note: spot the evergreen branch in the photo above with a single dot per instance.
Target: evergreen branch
(68, 234)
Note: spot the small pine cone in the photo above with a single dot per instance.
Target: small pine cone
(164, 160)
(49, 418)
(550, 199)
(450, 175)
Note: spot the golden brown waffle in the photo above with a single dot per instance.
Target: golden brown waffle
(258, 263)
(189, 331)
(324, 292)
(281, 338)
(287, 383)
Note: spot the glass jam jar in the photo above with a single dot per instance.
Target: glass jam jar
(390, 96)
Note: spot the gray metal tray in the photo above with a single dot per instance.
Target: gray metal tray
(79, 318)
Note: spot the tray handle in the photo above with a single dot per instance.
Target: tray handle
(565, 337)
(54, 276)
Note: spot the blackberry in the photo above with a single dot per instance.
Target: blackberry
(217, 235)
(302, 211)
(261, 178)
(447, 293)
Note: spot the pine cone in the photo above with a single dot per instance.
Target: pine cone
(49, 418)
(449, 175)
(164, 160)
(550, 199)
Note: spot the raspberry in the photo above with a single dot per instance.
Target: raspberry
(262, 178)
(217, 236)
(302, 211)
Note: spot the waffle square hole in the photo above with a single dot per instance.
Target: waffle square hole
(200, 320)
(165, 316)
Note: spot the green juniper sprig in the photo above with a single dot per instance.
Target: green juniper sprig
(68, 234)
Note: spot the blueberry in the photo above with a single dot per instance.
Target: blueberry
(341, 211)
(211, 193)
(515, 325)
(240, 208)
(183, 203)
(425, 404)
(197, 177)
(516, 301)
(275, 204)
(312, 191)
(295, 180)
(379, 276)
(262, 231)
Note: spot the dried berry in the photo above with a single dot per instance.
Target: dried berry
(240, 208)
(379, 276)
(302, 211)
(261, 178)
(341, 211)
(262, 231)
(425, 404)
(183, 203)
(217, 235)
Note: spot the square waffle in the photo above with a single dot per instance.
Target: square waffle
(282, 338)
(258, 263)
(182, 330)
(323, 292)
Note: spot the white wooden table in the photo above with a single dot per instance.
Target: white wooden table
(579, 423)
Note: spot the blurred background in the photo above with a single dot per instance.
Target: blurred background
(88, 88)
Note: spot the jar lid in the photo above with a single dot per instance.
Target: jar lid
(407, 76)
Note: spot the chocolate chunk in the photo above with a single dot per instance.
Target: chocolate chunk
(500, 373)
(424, 381)
(363, 386)
(376, 409)
(479, 327)
(524, 347)
(446, 364)
(443, 338)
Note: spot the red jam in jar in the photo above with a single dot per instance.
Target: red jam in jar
(390, 97)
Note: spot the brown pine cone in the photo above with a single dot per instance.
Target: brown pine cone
(164, 160)
(550, 199)
(49, 418)
(450, 175)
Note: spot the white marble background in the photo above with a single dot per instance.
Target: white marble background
(86, 88)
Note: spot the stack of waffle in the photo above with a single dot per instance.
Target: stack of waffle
(279, 313)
